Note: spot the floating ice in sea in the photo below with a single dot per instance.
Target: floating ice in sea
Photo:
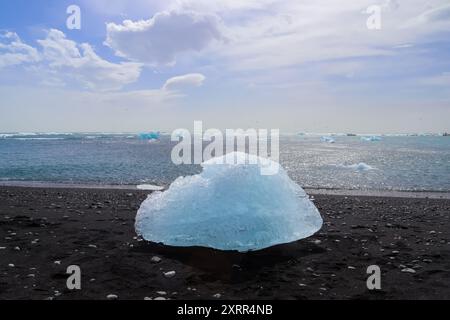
(358, 166)
(149, 187)
(149, 136)
(327, 139)
(229, 207)
(371, 138)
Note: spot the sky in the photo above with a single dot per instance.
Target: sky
(293, 65)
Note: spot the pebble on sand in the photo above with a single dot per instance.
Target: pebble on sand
(112, 297)
(409, 270)
(155, 259)
(169, 274)
(217, 296)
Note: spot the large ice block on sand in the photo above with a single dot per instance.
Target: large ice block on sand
(229, 207)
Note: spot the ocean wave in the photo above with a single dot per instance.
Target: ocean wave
(25, 139)
(13, 135)
(36, 135)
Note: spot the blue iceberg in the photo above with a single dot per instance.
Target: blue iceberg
(327, 139)
(229, 207)
(149, 136)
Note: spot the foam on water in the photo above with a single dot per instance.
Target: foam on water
(229, 207)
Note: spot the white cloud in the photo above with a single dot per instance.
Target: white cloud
(60, 61)
(159, 40)
(222, 6)
(79, 62)
(192, 79)
(441, 13)
(14, 52)
(266, 35)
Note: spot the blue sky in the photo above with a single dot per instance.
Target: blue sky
(294, 65)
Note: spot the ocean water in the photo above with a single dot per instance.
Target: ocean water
(403, 163)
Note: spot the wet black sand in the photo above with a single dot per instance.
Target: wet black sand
(42, 231)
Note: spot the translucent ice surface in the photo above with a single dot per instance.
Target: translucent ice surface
(229, 207)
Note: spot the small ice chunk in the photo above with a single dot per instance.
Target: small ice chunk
(155, 259)
(327, 139)
(169, 274)
(408, 270)
(229, 207)
(149, 187)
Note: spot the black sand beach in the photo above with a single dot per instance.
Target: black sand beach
(43, 231)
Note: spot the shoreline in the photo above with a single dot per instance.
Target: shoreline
(310, 191)
(43, 231)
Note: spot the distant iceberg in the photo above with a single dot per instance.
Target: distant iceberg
(229, 207)
(358, 167)
(150, 136)
(327, 139)
(371, 138)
